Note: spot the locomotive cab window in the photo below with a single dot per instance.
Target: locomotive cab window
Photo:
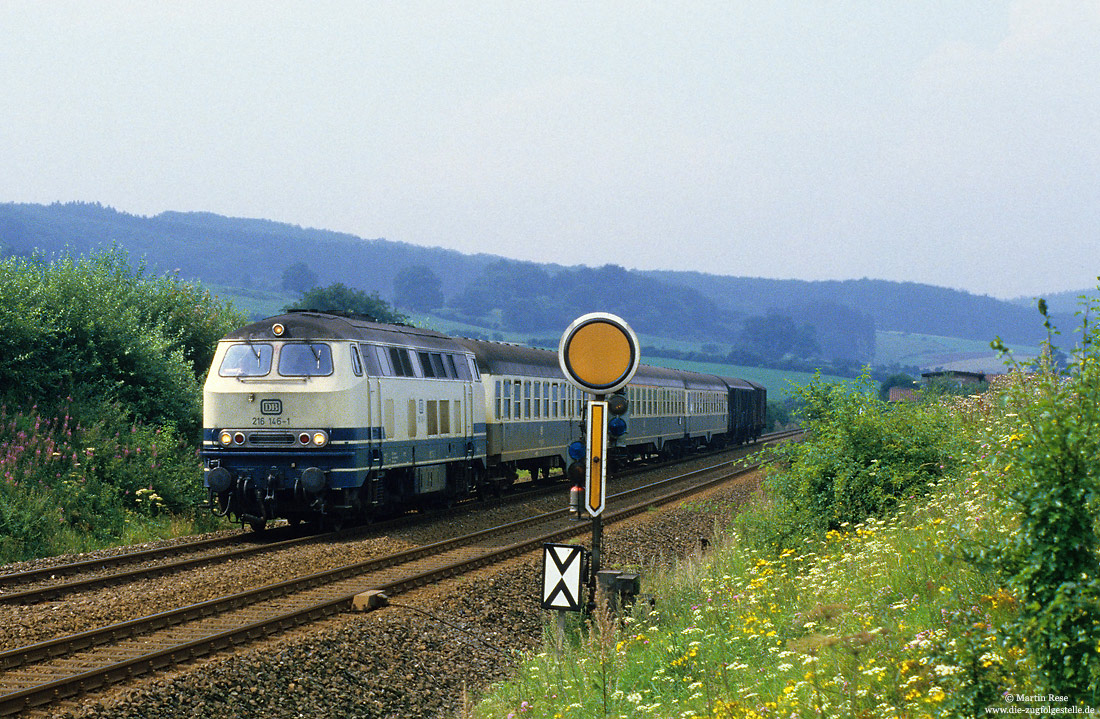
(305, 360)
(356, 364)
(372, 360)
(246, 360)
(400, 362)
(431, 365)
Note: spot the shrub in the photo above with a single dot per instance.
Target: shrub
(859, 458)
(96, 328)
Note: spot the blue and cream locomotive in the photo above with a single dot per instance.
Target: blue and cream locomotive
(317, 416)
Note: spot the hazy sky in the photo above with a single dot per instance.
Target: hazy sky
(953, 143)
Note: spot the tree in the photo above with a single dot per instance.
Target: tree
(417, 288)
(776, 335)
(338, 297)
(298, 278)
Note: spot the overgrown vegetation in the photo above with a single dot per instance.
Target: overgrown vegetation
(1052, 461)
(860, 458)
(939, 560)
(101, 368)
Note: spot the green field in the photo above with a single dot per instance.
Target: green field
(933, 352)
(778, 382)
(254, 303)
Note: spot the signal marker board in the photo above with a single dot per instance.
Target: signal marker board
(563, 577)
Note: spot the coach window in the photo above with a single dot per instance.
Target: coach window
(538, 404)
(527, 399)
(516, 399)
(497, 399)
(554, 400)
(305, 360)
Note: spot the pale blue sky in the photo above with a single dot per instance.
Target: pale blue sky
(953, 143)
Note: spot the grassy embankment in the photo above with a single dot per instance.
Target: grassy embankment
(927, 604)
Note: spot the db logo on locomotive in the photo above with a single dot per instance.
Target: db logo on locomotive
(271, 406)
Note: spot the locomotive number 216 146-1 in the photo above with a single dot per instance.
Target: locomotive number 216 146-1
(271, 422)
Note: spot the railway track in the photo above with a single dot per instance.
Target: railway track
(54, 581)
(46, 672)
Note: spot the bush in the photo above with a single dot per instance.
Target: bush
(128, 354)
(70, 487)
(95, 328)
(860, 457)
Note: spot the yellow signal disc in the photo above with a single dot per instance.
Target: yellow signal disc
(599, 353)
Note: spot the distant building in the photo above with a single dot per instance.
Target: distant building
(956, 377)
(903, 394)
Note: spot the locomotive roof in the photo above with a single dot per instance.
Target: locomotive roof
(325, 326)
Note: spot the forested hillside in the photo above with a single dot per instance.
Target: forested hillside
(893, 306)
(756, 320)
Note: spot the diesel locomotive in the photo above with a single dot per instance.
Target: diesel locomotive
(319, 416)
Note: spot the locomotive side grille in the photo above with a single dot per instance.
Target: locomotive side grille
(272, 439)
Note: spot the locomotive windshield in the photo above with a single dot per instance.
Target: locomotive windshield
(305, 360)
(246, 360)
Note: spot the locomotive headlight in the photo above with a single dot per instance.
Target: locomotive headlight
(320, 439)
(226, 438)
